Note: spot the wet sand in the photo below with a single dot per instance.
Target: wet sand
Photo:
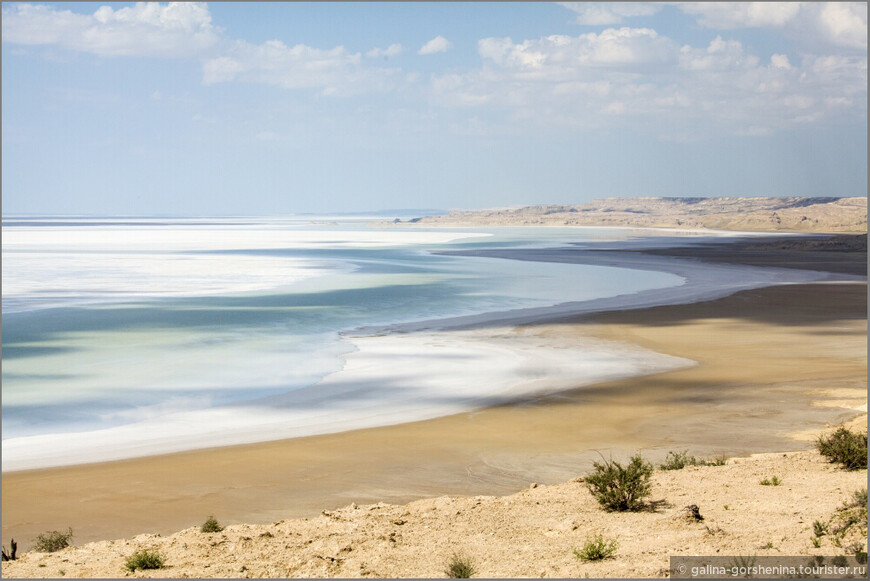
(774, 365)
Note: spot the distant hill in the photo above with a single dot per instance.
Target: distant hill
(746, 214)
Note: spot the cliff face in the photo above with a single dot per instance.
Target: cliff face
(748, 214)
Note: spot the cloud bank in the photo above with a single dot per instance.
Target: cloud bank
(174, 30)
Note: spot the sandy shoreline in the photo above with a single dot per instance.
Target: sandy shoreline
(767, 357)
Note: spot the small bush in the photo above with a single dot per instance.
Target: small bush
(859, 499)
(819, 528)
(850, 519)
(679, 460)
(859, 550)
(52, 541)
(774, 481)
(596, 548)
(144, 559)
(211, 525)
(817, 542)
(620, 488)
(460, 566)
(719, 460)
(844, 447)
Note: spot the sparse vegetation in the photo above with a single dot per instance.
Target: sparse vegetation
(859, 550)
(774, 481)
(52, 541)
(13, 549)
(460, 566)
(844, 447)
(211, 525)
(848, 523)
(719, 460)
(853, 512)
(144, 559)
(620, 488)
(679, 460)
(596, 548)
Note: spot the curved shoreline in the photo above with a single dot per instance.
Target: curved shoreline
(365, 394)
(795, 344)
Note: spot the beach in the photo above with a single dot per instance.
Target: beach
(775, 367)
(382, 286)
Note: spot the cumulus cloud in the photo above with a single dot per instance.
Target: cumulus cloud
(615, 47)
(177, 29)
(837, 23)
(333, 71)
(390, 51)
(635, 75)
(728, 15)
(609, 13)
(780, 61)
(436, 45)
(844, 23)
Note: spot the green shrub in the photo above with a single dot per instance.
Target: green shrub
(774, 481)
(52, 541)
(144, 559)
(844, 447)
(851, 516)
(460, 566)
(596, 548)
(859, 499)
(679, 460)
(211, 525)
(819, 528)
(618, 487)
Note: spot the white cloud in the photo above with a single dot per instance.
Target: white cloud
(719, 55)
(837, 23)
(636, 76)
(177, 29)
(334, 72)
(436, 45)
(390, 51)
(728, 15)
(609, 13)
(844, 23)
(780, 61)
(622, 47)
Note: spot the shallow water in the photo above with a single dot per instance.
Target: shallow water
(149, 327)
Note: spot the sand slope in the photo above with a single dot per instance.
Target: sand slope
(792, 214)
(528, 534)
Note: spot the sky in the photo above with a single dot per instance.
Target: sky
(281, 108)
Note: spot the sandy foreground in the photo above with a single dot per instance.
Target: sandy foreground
(532, 533)
(776, 366)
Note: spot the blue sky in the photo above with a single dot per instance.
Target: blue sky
(246, 108)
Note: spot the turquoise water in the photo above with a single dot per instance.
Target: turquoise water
(109, 322)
